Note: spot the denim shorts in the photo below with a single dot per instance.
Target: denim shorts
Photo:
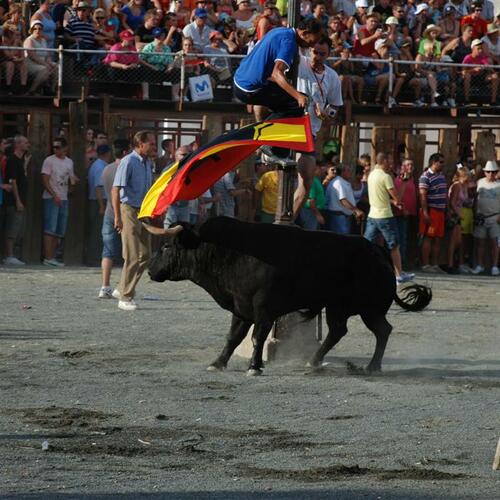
(55, 219)
(111, 240)
(388, 227)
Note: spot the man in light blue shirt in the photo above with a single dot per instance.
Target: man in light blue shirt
(133, 179)
(96, 205)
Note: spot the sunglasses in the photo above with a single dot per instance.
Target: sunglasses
(490, 171)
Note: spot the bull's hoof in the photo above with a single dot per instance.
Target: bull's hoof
(313, 365)
(215, 368)
(373, 370)
(254, 372)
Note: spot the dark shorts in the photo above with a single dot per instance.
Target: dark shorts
(387, 227)
(111, 241)
(14, 222)
(271, 96)
(55, 219)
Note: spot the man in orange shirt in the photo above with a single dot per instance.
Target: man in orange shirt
(479, 25)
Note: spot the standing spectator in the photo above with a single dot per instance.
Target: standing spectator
(266, 197)
(133, 13)
(319, 13)
(111, 243)
(227, 192)
(198, 30)
(49, 26)
(269, 20)
(167, 158)
(178, 211)
(340, 202)
(457, 196)
(405, 188)
(474, 19)
(244, 15)
(132, 181)
(381, 193)
(433, 201)
(15, 201)
(478, 75)
(488, 217)
(96, 204)
(383, 8)
(57, 175)
(321, 83)
(311, 216)
(80, 30)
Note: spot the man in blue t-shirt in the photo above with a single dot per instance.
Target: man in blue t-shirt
(260, 79)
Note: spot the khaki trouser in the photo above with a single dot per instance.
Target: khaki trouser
(136, 249)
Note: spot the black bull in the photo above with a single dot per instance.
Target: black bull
(260, 272)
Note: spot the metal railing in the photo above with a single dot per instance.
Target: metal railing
(388, 81)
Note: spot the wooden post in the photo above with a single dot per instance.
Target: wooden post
(74, 243)
(415, 150)
(448, 147)
(247, 172)
(39, 138)
(211, 126)
(382, 142)
(110, 122)
(484, 147)
(349, 145)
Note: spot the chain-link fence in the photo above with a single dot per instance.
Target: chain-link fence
(162, 75)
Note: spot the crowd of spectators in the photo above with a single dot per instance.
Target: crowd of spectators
(145, 41)
(381, 201)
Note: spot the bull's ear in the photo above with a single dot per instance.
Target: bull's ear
(188, 238)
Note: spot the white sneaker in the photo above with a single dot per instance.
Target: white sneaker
(392, 102)
(434, 105)
(127, 305)
(419, 103)
(106, 292)
(478, 269)
(428, 269)
(495, 271)
(52, 262)
(452, 103)
(464, 269)
(13, 261)
(116, 294)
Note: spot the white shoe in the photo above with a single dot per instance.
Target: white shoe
(127, 305)
(478, 269)
(434, 105)
(464, 269)
(52, 262)
(495, 271)
(419, 103)
(391, 102)
(13, 261)
(452, 103)
(428, 269)
(106, 292)
(116, 294)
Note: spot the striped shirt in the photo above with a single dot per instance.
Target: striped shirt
(435, 185)
(81, 29)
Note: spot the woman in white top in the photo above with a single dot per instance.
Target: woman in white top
(244, 15)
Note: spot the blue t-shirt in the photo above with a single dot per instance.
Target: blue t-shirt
(134, 176)
(94, 177)
(279, 44)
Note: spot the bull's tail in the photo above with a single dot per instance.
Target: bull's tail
(415, 298)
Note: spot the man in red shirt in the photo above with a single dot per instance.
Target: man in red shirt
(477, 75)
(364, 45)
(479, 25)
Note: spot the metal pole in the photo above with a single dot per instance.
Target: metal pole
(288, 174)
(181, 84)
(59, 72)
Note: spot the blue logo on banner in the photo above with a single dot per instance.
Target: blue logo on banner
(200, 87)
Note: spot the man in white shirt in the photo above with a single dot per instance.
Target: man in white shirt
(340, 202)
(198, 30)
(320, 83)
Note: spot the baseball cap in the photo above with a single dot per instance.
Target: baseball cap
(449, 9)
(82, 5)
(126, 35)
(158, 32)
(420, 8)
(201, 13)
(476, 42)
(380, 43)
(391, 20)
(361, 3)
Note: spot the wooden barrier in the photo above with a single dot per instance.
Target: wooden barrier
(382, 141)
(349, 145)
(448, 147)
(484, 147)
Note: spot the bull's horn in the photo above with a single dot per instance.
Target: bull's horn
(161, 231)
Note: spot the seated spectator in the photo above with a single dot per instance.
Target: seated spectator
(244, 15)
(15, 18)
(305, 8)
(219, 66)
(319, 13)
(49, 26)
(364, 43)
(491, 44)
(422, 20)
(458, 48)
(478, 75)
(198, 31)
(40, 65)
(338, 30)
(399, 12)
(192, 67)
(340, 202)
(407, 72)
(225, 7)
(358, 19)
(347, 71)
(158, 54)
(383, 9)
(474, 19)
(393, 35)
(144, 33)
(461, 6)
(447, 86)
(134, 13)
(427, 72)
(183, 14)
(431, 34)
(207, 5)
(13, 60)
(174, 35)
(234, 39)
(116, 17)
(269, 19)
(103, 28)
(450, 26)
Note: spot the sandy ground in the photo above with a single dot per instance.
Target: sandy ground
(127, 409)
